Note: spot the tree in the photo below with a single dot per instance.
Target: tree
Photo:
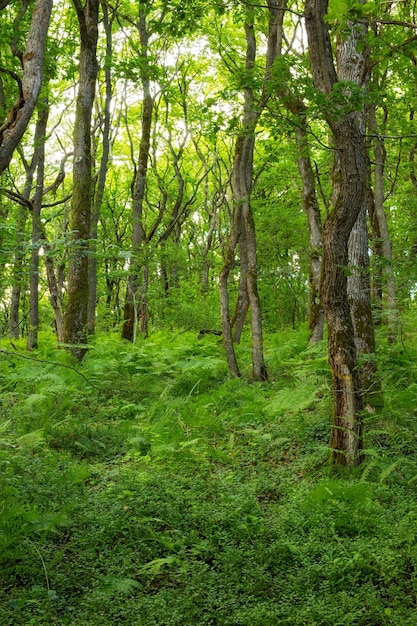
(345, 114)
(40, 138)
(76, 315)
(12, 130)
(243, 225)
(102, 173)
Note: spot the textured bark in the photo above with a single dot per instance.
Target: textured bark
(242, 180)
(98, 199)
(376, 274)
(76, 316)
(242, 302)
(39, 142)
(349, 197)
(390, 305)
(55, 293)
(228, 262)
(19, 117)
(359, 297)
(312, 211)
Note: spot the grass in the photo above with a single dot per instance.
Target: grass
(154, 490)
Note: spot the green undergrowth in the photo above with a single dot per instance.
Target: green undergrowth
(149, 488)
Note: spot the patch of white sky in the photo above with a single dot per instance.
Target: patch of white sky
(206, 86)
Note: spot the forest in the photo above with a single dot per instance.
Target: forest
(208, 255)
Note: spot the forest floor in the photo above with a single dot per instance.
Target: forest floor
(149, 488)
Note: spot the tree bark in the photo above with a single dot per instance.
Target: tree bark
(228, 262)
(12, 131)
(390, 314)
(312, 211)
(242, 302)
(98, 198)
(242, 181)
(76, 316)
(39, 142)
(18, 279)
(349, 196)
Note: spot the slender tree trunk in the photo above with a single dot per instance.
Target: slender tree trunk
(388, 281)
(76, 316)
(18, 281)
(312, 211)
(133, 292)
(242, 181)
(376, 274)
(228, 262)
(40, 138)
(18, 266)
(95, 215)
(242, 302)
(55, 293)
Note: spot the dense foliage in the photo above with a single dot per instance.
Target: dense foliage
(188, 190)
(149, 487)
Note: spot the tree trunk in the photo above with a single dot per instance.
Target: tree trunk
(242, 180)
(242, 302)
(349, 197)
(39, 142)
(359, 296)
(228, 262)
(12, 131)
(391, 313)
(55, 293)
(133, 291)
(76, 316)
(312, 211)
(376, 274)
(95, 215)
(17, 279)
(18, 269)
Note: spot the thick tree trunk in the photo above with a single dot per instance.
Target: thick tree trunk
(39, 141)
(349, 198)
(359, 297)
(346, 440)
(76, 316)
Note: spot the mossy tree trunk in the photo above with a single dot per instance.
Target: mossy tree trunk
(346, 118)
(76, 315)
(102, 173)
